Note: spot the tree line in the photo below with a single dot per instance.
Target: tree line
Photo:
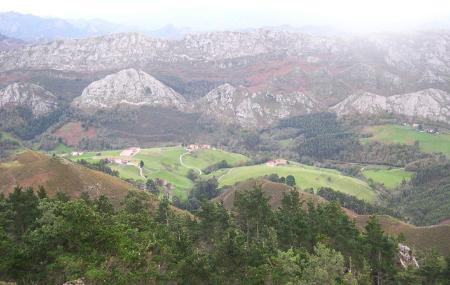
(47, 240)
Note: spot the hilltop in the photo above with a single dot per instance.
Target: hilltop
(29, 168)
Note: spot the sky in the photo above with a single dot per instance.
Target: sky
(240, 14)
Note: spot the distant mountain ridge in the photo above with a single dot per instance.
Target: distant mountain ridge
(34, 28)
(255, 78)
(8, 43)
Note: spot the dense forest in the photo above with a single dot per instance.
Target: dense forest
(7, 145)
(426, 198)
(21, 122)
(358, 206)
(52, 240)
(315, 138)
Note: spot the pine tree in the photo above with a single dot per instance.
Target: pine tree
(290, 180)
(381, 253)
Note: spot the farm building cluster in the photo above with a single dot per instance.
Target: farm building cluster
(277, 162)
(118, 160)
(421, 129)
(193, 147)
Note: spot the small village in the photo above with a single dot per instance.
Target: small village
(419, 128)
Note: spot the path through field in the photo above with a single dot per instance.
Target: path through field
(227, 172)
(187, 166)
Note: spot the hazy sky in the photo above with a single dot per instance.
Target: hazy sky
(232, 14)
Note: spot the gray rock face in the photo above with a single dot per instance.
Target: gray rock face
(432, 104)
(34, 97)
(131, 87)
(229, 104)
(283, 73)
(132, 49)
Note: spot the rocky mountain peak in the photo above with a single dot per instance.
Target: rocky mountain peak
(239, 105)
(32, 96)
(128, 86)
(432, 104)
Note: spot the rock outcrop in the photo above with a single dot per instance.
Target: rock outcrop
(406, 257)
(432, 104)
(28, 95)
(238, 105)
(129, 86)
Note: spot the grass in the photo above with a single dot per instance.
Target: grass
(425, 238)
(30, 168)
(391, 178)
(305, 176)
(6, 136)
(62, 148)
(391, 134)
(208, 157)
(164, 163)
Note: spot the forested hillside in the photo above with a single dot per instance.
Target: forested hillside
(54, 240)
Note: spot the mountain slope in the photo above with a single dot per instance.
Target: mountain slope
(229, 104)
(58, 175)
(432, 104)
(32, 96)
(131, 87)
(278, 64)
(7, 43)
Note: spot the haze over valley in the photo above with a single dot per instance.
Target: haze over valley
(225, 143)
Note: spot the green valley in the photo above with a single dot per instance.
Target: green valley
(173, 163)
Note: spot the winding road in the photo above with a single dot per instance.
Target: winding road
(187, 166)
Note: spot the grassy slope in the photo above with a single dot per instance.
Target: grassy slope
(305, 176)
(62, 148)
(391, 178)
(274, 191)
(6, 136)
(208, 157)
(164, 163)
(407, 135)
(30, 168)
(432, 237)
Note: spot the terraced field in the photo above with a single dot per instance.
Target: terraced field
(305, 176)
(407, 135)
(391, 178)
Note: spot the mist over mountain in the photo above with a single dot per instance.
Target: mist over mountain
(241, 142)
(33, 28)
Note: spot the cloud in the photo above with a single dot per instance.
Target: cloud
(214, 14)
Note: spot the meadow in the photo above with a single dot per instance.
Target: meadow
(305, 177)
(407, 135)
(390, 178)
(164, 163)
